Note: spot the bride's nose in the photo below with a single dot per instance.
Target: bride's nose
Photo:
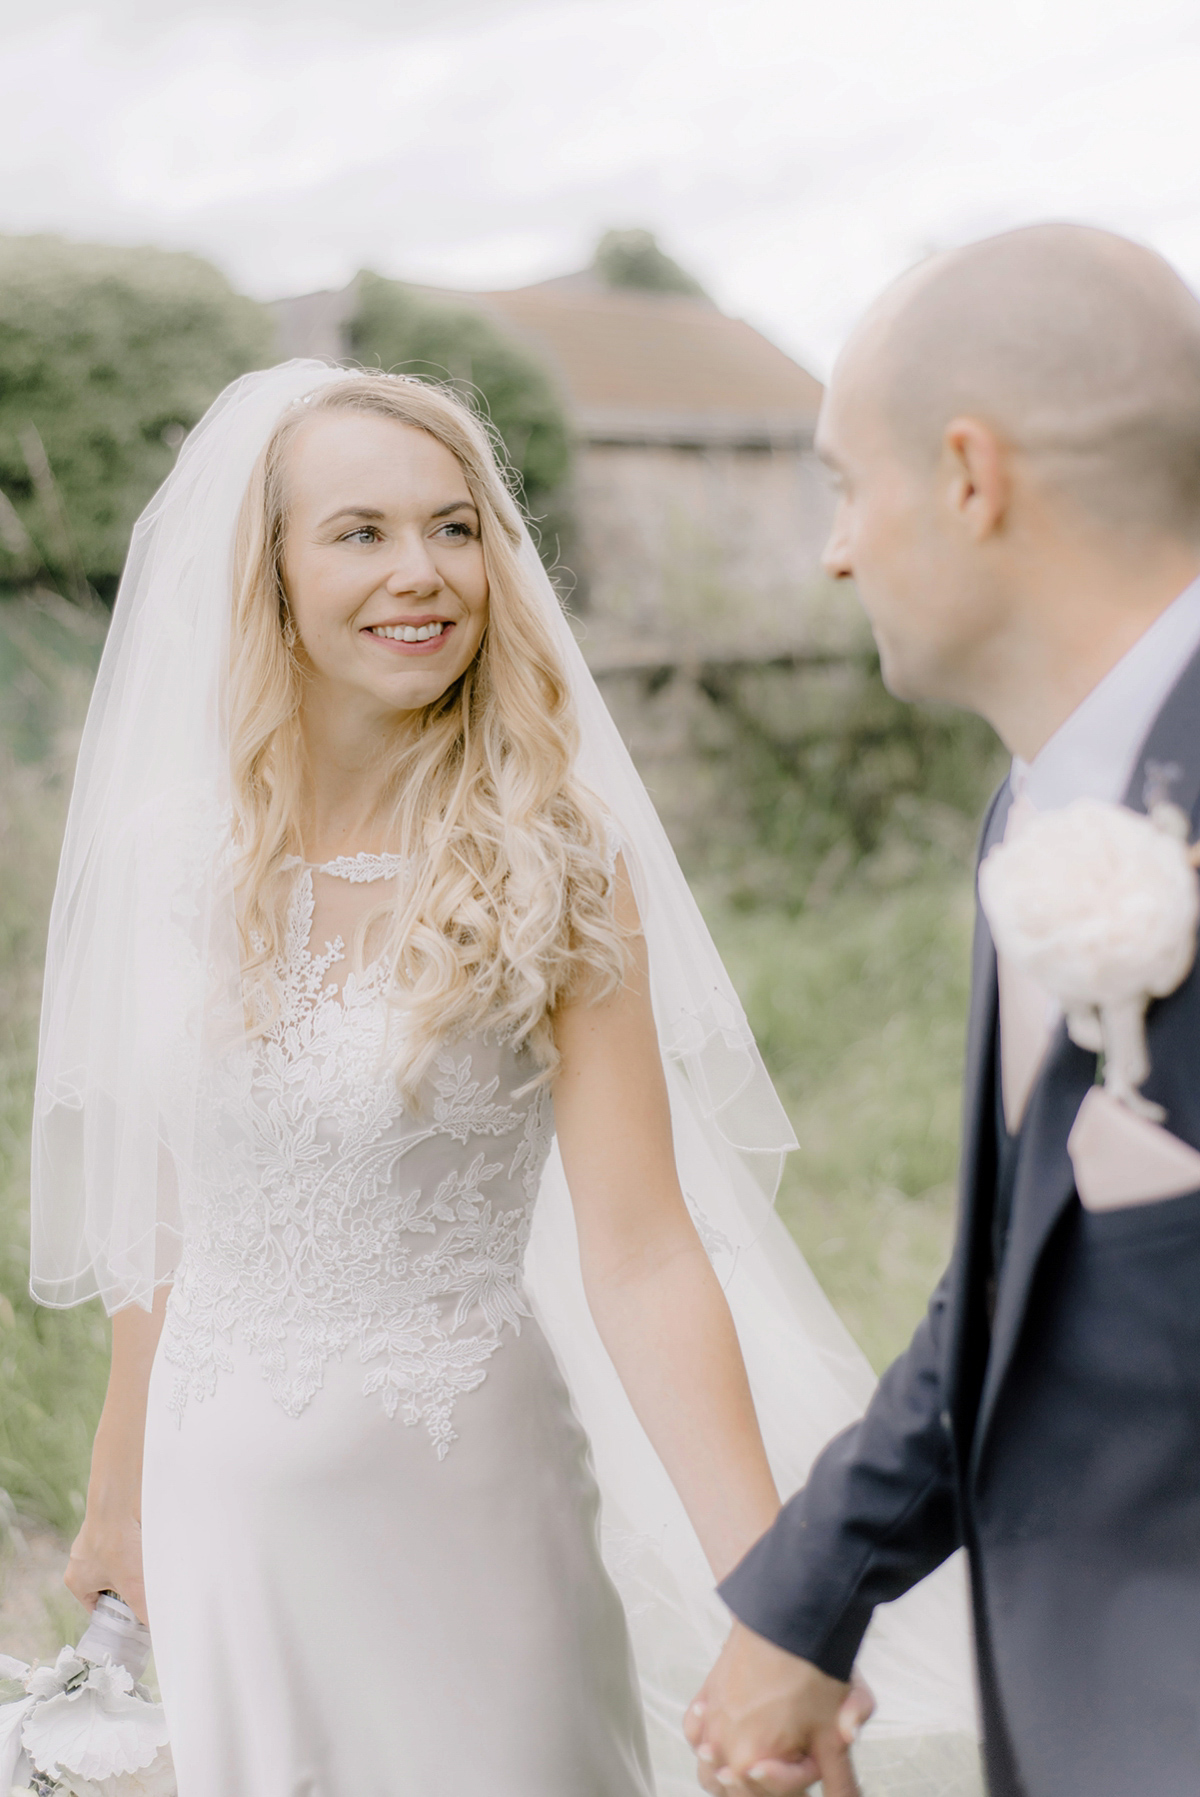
(414, 571)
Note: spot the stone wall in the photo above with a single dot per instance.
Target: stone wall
(712, 544)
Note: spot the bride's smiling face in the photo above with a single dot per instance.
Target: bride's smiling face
(382, 563)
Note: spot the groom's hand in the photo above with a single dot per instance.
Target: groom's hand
(768, 1724)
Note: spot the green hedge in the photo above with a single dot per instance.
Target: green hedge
(109, 355)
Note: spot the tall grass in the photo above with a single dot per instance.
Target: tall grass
(860, 1010)
(52, 1363)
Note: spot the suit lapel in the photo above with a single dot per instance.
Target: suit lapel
(1045, 1182)
(981, 1025)
(966, 1339)
(1045, 1185)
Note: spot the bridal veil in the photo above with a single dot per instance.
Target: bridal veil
(142, 995)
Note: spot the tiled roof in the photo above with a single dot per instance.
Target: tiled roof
(632, 365)
(660, 361)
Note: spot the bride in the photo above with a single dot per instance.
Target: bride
(393, 1098)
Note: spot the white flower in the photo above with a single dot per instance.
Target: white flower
(12, 1718)
(1100, 905)
(109, 1678)
(155, 1780)
(1097, 902)
(98, 1728)
(47, 1681)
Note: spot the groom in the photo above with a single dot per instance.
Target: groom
(1015, 433)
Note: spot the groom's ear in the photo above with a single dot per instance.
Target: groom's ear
(977, 480)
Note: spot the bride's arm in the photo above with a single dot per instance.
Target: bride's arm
(107, 1552)
(657, 1303)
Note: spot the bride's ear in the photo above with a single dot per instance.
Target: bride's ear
(976, 478)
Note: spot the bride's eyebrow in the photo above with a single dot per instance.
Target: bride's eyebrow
(370, 512)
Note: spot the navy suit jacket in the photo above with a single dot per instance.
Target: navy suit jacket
(1058, 1442)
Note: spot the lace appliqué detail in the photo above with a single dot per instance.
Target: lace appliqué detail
(362, 868)
(337, 1220)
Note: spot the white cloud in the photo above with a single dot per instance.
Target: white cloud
(796, 154)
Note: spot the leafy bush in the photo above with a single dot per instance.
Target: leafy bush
(782, 784)
(107, 357)
(634, 259)
(406, 332)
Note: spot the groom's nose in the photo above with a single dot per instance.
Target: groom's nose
(835, 557)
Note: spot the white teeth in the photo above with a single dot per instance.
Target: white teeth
(408, 633)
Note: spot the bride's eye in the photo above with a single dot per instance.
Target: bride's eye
(362, 533)
(462, 533)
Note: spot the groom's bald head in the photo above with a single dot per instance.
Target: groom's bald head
(1015, 428)
(1080, 349)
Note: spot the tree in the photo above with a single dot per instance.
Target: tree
(633, 259)
(108, 357)
(407, 332)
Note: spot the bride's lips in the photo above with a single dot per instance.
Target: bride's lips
(429, 647)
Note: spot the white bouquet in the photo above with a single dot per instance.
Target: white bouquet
(1099, 904)
(83, 1727)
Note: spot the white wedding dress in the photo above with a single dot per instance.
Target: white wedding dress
(382, 1425)
(370, 1520)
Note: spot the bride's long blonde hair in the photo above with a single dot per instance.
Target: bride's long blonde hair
(507, 906)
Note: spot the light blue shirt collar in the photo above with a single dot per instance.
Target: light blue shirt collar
(1093, 754)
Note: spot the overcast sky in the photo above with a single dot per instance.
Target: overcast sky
(794, 153)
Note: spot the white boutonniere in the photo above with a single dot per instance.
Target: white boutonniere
(1100, 905)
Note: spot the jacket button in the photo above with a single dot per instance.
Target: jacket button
(946, 1422)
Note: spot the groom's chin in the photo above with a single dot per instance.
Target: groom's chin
(899, 674)
(916, 677)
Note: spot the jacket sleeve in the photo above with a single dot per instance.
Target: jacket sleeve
(879, 1511)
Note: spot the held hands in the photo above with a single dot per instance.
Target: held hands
(768, 1724)
(106, 1555)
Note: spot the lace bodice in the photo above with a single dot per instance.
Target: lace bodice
(336, 1220)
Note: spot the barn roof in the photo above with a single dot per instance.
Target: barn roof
(633, 366)
(646, 365)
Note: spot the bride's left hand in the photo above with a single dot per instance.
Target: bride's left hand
(769, 1724)
(106, 1555)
